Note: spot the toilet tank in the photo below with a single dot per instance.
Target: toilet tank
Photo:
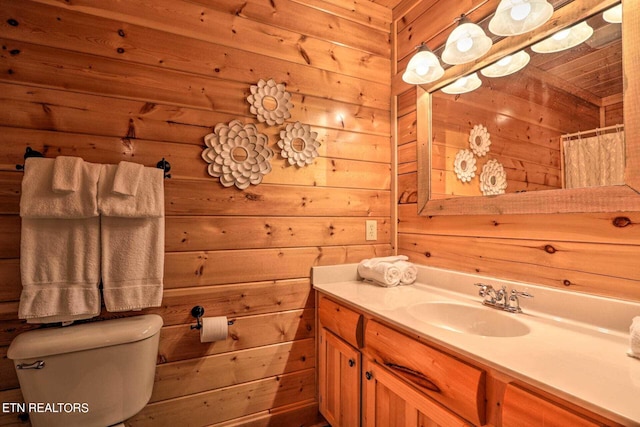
(92, 374)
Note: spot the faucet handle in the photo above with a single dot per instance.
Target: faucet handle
(483, 289)
(516, 294)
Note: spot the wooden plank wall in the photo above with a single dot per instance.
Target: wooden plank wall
(143, 80)
(524, 119)
(591, 253)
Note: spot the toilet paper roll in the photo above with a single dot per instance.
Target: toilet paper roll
(214, 329)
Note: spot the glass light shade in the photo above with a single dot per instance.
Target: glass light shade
(463, 85)
(507, 65)
(564, 39)
(613, 15)
(514, 17)
(423, 67)
(466, 43)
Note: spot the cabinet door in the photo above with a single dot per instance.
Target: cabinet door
(338, 381)
(389, 402)
(523, 409)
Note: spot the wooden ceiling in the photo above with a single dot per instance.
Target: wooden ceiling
(592, 70)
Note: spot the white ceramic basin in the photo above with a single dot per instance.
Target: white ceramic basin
(466, 319)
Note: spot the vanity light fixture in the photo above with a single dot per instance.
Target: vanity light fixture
(466, 43)
(564, 39)
(513, 17)
(463, 85)
(613, 15)
(507, 65)
(423, 67)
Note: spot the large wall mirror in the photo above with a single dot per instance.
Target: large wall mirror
(559, 135)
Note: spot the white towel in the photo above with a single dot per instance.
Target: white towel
(132, 241)
(38, 200)
(127, 178)
(383, 273)
(147, 203)
(634, 338)
(59, 246)
(67, 174)
(60, 269)
(408, 270)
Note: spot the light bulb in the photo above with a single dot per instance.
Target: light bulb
(520, 11)
(464, 44)
(422, 69)
(561, 35)
(505, 61)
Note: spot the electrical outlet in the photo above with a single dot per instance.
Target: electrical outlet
(371, 226)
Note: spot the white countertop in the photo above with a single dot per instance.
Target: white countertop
(575, 348)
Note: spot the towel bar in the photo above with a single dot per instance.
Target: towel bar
(29, 152)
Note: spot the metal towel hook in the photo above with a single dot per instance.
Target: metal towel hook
(166, 167)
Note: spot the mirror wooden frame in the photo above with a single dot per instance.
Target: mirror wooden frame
(619, 198)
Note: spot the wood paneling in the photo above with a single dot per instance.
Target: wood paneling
(592, 253)
(140, 81)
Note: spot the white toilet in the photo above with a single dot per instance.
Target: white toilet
(93, 374)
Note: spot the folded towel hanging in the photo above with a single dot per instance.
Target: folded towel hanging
(67, 174)
(59, 246)
(38, 200)
(132, 238)
(149, 199)
(127, 178)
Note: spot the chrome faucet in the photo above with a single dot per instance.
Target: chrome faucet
(500, 298)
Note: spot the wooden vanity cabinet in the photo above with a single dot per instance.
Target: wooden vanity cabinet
(339, 367)
(371, 374)
(387, 390)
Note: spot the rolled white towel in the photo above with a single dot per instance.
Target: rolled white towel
(382, 273)
(634, 338)
(409, 272)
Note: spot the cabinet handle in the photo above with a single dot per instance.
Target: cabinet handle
(414, 376)
(352, 363)
(368, 374)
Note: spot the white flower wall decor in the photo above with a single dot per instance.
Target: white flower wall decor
(270, 102)
(237, 154)
(298, 144)
(464, 165)
(479, 140)
(493, 179)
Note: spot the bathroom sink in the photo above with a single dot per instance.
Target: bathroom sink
(466, 319)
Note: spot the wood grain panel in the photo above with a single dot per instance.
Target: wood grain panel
(210, 25)
(180, 342)
(183, 269)
(34, 64)
(230, 402)
(228, 369)
(578, 267)
(306, 20)
(85, 33)
(217, 233)
(193, 197)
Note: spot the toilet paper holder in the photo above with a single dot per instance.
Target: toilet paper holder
(198, 312)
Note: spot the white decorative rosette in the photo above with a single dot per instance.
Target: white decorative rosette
(479, 140)
(464, 165)
(237, 154)
(493, 179)
(298, 144)
(270, 102)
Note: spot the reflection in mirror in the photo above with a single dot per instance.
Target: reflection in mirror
(575, 93)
